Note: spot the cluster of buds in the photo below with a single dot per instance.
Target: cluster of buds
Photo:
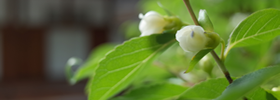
(191, 38)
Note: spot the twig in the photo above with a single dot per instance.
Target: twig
(215, 56)
(187, 3)
(222, 66)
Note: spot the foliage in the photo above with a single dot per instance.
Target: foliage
(257, 28)
(89, 67)
(153, 67)
(165, 91)
(122, 65)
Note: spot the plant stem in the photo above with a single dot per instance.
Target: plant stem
(220, 61)
(222, 66)
(187, 3)
(215, 56)
(223, 50)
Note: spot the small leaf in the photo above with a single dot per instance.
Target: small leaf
(247, 83)
(213, 88)
(164, 91)
(260, 94)
(123, 64)
(207, 90)
(88, 68)
(261, 26)
(276, 92)
(196, 58)
(68, 67)
(205, 21)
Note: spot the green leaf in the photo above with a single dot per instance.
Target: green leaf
(152, 75)
(275, 91)
(261, 26)
(197, 57)
(206, 90)
(247, 83)
(123, 64)
(213, 88)
(276, 94)
(164, 91)
(88, 68)
(205, 21)
(260, 94)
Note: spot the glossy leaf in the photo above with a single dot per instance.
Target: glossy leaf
(247, 83)
(124, 63)
(164, 91)
(261, 26)
(207, 90)
(196, 58)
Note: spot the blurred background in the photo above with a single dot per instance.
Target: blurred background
(37, 37)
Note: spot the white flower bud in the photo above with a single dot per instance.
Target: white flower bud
(274, 89)
(206, 65)
(193, 77)
(151, 23)
(192, 38)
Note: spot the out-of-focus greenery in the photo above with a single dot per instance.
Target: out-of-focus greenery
(225, 16)
(87, 69)
(129, 69)
(221, 12)
(125, 62)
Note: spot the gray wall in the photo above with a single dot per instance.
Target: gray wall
(61, 44)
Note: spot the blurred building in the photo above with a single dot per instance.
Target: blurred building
(37, 37)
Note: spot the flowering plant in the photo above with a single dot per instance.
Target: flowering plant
(160, 63)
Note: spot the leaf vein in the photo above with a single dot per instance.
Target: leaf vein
(252, 36)
(257, 39)
(239, 32)
(137, 67)
(156, 46)
(265, 24)
(116, 70)
(252, 26)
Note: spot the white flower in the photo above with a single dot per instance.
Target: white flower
(151, 23)
(276, 89)
(192, 38)
(204, 61)
(193, 77)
